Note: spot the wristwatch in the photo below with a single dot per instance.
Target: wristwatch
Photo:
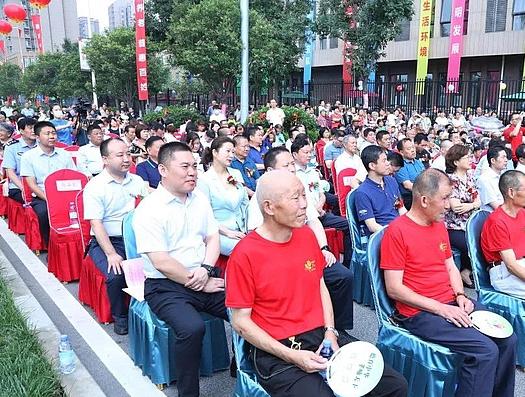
(333, 330)
(212, 270)
(325, 248)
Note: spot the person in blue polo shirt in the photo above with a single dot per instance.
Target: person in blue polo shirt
(412, 167)
(377, 200)
(244, 164)
(149, 169)
(256, 153)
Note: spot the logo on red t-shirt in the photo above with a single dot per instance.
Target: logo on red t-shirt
(443, 247)
(309, 266)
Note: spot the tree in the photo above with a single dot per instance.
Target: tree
(369, 27)
(57, 74)
(10, 79)
(204, 39)
(112, 57)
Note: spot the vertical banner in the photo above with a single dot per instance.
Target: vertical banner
(309, 51)
(455, 49)
(2, 47)
(423, 45)
(35, 19)
(140, 44)
(347, 54)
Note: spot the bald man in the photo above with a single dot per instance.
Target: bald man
(279, 300)
(427, 288)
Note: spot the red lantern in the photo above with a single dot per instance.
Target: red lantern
(399, 88)
(15, 12)
(40, 3)
(5, 27)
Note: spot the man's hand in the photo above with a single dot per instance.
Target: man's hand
(454, 315)
(114, 263)
(329, 258)
(214, 285)
(308, 361)
(198, 279)
(465, 303)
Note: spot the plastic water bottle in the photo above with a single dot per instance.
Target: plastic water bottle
(326, 352)
(73, 215)
(66, 356)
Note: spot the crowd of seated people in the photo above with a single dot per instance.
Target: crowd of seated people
(264, 200)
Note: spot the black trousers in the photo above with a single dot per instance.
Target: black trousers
(179, 307)
(330, 220)
(339, 281)
(40, 208)
(114, 282)
(459, 242)
(16, 194)
(282, 379)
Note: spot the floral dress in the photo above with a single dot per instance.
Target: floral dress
(465, 191)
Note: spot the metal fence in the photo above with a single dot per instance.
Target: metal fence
(502, 97)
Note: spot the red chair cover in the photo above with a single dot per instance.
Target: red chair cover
(60, 145)
(73, 149)
(33, 237)
(344, 188)
(133, 168)
(3, 203)
(319, 150)
(16, 218)
(335, 241)
(65, 242)
(222, 263)
(92, 291)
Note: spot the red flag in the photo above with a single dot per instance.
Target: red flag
(140, 44)
(38, 32)
(2, 47)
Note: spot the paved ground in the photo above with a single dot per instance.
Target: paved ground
(219, 385)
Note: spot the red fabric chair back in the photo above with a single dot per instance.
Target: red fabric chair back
(62, 188)
(26, 191)
(84, 224)
(73, 151)
(133, 168)
(60, 145)
(319, 150)
(343, 187)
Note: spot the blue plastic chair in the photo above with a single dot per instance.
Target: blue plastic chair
(430, 369)
(362, 290)
(246, 384)
(510, 307)
(151, 340)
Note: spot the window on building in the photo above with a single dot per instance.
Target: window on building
(518, 15)
(323, 43)
(496, 16)
(404, 34)
(334, 42)
(446, 17)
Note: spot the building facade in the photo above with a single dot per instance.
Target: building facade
(121, 14)
(493, 45)
(83, 27)
(58, 23)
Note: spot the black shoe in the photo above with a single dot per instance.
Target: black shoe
(120, 328)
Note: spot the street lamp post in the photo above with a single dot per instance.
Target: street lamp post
(93, 78)
(245, 93)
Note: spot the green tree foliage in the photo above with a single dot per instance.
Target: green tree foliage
(57, 74)
(112, 56)
(10, 79)
(372, 24)
(204, 38)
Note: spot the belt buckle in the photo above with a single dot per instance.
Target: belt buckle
(295, 345)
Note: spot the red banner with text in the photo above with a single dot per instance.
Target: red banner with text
(140, 44)
(35, 19)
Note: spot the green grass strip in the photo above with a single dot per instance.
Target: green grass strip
(24, 368)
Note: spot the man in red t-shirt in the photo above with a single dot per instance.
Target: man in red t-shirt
(279, 301)
(420, 275)
(503, 237)
(513, 134)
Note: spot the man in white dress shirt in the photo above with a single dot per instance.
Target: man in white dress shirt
(89, 160)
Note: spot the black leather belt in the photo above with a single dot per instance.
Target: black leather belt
(490, 265)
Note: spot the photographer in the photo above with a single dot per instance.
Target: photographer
(513, 134)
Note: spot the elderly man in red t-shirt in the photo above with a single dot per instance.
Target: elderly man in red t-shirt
(426, 285)
(279, 300)
(503, 237)
(513, 134)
